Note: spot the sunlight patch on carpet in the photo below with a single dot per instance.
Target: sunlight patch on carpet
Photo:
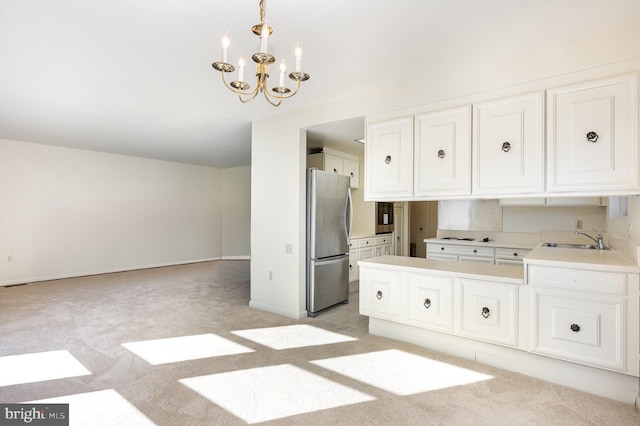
(38, 367)
(273, 392)
(185, 348)
(292, 336)
(401, 373)
(106, 407)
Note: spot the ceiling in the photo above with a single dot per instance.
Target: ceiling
(134, 77)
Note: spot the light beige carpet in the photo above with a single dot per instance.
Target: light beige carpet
(180, 346)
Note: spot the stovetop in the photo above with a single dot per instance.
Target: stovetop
(484, 240)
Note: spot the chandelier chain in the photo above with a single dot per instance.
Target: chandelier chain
(262, 12)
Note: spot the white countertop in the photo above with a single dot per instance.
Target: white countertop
(601, 260)
(501, 273)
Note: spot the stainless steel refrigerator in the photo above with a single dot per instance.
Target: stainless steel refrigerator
(329, 221)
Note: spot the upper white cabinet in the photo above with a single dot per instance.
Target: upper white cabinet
(591, 148)
(337, 163)
(508, 145)
(442, 153)
(389, 159)
(351, 168)
(593, 135)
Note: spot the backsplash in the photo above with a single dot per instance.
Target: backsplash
(489, 215)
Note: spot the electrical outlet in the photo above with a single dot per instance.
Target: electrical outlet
(288, 248)
(578, 223)
(270, 275)
(10, 258)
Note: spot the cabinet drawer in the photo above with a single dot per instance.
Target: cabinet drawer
(366, 242)
(585, 329)
(429, 301)
(505, 253)
(578, 280)
(383, 239)
(489, 311)
(459, 249)
(380, 293)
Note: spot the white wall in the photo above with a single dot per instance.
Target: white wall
(364, 220)
(236, 215)
(67, 212)
(277, 144)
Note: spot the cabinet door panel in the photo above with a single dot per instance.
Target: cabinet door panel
(593, 135)
(389, 159)
(508, 145)
(380, 293)
(489, 311)
(429, 301)
(352, 169)
(588, 329)
(333, 164)
(443, 153)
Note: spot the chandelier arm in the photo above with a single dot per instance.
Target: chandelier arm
(250, 98)
(288, 95)
(252, 95)
(268, 97)
(253, 92)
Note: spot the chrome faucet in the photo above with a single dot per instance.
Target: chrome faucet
(598, 239)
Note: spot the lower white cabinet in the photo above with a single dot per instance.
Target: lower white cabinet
(460, 252)
(429, 301)
(473, 253)
(382, 244)
(587, 329)
(364, 248)
(478, 309)
(380, 292)
(510, 256)
(587, 317)
(488, 311)
(580, 316)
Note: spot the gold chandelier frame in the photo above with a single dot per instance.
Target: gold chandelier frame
(262, 60)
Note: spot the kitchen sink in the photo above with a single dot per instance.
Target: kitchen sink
(573, 246)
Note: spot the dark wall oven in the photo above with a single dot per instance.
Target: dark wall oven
(384, 218)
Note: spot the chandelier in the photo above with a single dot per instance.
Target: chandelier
(262, 59)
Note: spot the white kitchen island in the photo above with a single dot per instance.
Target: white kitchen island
(565, 323)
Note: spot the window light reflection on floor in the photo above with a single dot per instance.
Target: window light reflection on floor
(401, 373)
(273, 392)
(106, 407)
(38, 367)
(185, 348)
(292, 336)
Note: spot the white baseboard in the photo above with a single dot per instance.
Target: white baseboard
(236, 257)
(110, 271)
(274, 310)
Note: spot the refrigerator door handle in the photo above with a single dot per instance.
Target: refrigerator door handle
(349, 207)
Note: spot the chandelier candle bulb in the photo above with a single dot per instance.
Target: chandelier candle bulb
(298, 51)
(283, 68)
(225, 46)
